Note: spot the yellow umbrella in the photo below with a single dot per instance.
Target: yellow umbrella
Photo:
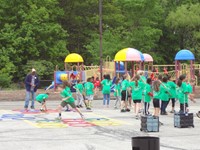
(73, 58)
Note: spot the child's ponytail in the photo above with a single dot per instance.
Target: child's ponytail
(180, 80)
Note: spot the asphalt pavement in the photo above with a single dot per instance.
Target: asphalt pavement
(103, 129)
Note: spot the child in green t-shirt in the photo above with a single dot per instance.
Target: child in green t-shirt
(106, 83)
(156, 97)
(172, 90)
(124, 93)
(117, 92)
(67, 98)
(137, 89)
(79, 93)
(147, 96)
(183, 94)
(89, 93)
(41, 98)
(164, 95)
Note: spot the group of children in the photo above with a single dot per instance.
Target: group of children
(84, 94)
(139, 90)
(161, 91)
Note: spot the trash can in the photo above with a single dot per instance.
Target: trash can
(145, 143)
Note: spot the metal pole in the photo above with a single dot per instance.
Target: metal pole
(100, 37)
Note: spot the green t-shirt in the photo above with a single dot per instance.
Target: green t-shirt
(41, 97)
(190, 89)
(164, 92)
(172, 89)
(117, 90)
(143, 79)
(147, 97)
(67, 93)
(156, 94)
(106, 86)
(182, 92)
(88, 87)
(79, 87)
(125, 85)
(137, 90)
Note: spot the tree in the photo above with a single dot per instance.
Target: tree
(185, 23)
(30, 31)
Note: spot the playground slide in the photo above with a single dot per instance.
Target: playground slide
(50, 86)
(113, 84)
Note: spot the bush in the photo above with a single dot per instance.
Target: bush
(5, 80)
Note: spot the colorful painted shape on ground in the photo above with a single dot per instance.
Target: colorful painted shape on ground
(37, 121)
(35, 111)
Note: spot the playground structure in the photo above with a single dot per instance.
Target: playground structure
(129, 55)
(75, 69)
(128, 60)
(146, 64)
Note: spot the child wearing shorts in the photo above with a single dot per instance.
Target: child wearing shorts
(124, 94)
(89, 93)
(137, 88)
(41, 98)
(67, 98)
(156, 98)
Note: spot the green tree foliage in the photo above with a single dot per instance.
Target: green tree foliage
(41, 33)
(43, 68)
(185, 22)
(30, 31)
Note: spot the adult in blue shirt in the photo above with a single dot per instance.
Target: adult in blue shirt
(31, 84)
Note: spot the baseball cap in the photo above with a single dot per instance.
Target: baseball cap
(33, 70)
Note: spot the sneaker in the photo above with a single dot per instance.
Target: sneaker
(88, 108)
(80, 106)
(41, 109)
(137, 117)
(82, 116)
(198, 115)
(122, 110)
(164, 113)
(67, 110)
(172, 111)
(128, 110)
(77, 106)
(160, 123)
